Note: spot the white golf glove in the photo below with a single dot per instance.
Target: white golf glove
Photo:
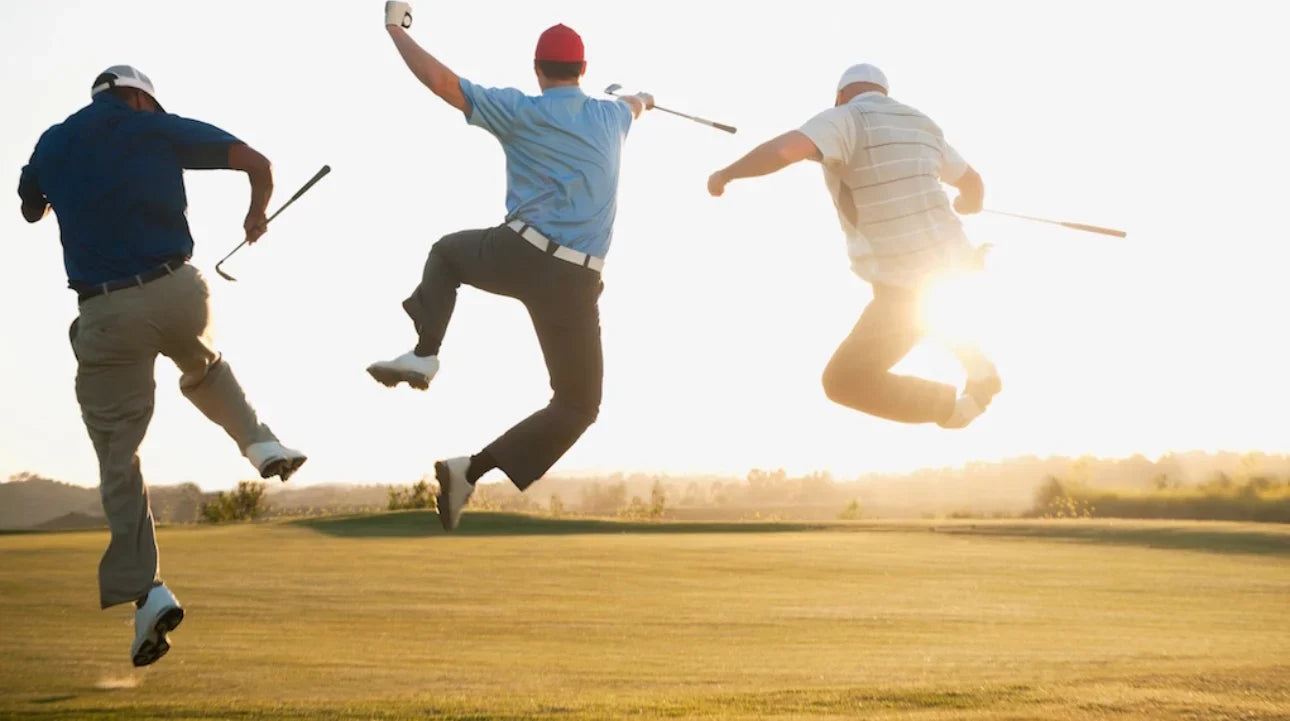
(398, 13)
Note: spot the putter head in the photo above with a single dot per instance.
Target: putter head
(613, 89)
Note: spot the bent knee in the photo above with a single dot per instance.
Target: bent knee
(846, 385)
(580, 414)
(196, 371)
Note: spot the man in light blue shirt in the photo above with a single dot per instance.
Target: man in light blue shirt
(562, 158)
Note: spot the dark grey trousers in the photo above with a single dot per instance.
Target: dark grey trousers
(562, 301)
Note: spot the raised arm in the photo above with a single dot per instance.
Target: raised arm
(432, 73)
(769, 157)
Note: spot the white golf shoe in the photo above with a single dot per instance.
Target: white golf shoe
(159, 615)
(271, 458)
(973, 401)
(410, 368)
(454, 490)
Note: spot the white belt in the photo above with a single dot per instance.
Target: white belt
(545, 244)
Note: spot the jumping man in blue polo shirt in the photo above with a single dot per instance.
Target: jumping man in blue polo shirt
(562, 157)
(113, 173)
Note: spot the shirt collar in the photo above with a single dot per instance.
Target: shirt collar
(563, 90)
(108, 98)
(866, 94)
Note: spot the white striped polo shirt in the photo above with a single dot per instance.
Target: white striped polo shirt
(884, 163)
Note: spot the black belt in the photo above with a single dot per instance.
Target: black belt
(135, 281)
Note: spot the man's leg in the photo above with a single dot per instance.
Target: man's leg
(115, 389)
(462, 257)
(858, 376)
(567, 320)
(182, 304)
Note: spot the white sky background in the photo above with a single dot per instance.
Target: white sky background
(718, 314)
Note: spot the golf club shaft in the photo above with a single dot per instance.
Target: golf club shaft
(1065, 224)
(711, 123)
(704, 121)
(317, 176)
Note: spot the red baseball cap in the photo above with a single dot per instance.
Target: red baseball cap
(560, 44)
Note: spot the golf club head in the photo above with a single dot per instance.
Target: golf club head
(222, 274)
(612, 89)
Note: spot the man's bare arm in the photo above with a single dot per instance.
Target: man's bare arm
(260, 172)
(432, 73)
(639, 103)
(769, 157)
(971, 193)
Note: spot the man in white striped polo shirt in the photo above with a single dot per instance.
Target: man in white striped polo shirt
(884, 163)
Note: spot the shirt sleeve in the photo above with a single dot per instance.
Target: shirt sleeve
(29, 186)
(623, 112)
(832, 134)
(493, 109)
(199, 145)
(953, 166)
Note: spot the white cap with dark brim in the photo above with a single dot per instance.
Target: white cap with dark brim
(125, 76)
(863, 73)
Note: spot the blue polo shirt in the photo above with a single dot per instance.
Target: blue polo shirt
(562, 158)
(114, 177)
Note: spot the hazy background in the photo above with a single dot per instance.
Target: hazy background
(718, 314)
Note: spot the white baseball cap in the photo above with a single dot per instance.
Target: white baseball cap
(124, 76)
(863, 73)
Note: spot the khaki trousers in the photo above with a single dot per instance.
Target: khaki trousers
(859, 374)
(116, 339)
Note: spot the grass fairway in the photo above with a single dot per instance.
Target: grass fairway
(384, 617)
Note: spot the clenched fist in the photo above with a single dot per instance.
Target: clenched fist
(398, 13)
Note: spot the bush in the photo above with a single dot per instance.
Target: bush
(852, 512)
(417, 497)
(657, 500)
(1054, 500)
(1223, 499)
(245, 503)
(557, 506)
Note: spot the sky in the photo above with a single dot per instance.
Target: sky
(718, 314)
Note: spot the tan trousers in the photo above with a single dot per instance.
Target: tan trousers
(859, 374)
(116, 340)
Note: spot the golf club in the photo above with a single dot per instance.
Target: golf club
(613, 90)
(317, 176)
(1073, 226)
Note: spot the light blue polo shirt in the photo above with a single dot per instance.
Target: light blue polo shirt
(562, 158)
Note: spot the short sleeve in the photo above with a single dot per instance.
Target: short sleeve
(953, 166)
(831, 133)
(623, 113)
(199, 145)
(493, 109)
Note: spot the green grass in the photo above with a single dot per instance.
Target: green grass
(385, 617)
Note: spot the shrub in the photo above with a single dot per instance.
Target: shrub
(245, 503)
(852, 512)
(417, 497)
